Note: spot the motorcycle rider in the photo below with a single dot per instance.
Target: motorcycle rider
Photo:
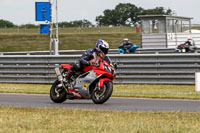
(189, 44)
(190, 41)
(90, 57)
(126, 44)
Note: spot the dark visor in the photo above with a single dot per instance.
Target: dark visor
(104, 50)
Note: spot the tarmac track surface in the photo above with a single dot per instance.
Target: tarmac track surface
(114, 103)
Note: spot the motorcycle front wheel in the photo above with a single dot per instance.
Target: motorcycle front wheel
(57, 92)
(102, 95)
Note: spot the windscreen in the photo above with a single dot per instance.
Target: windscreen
(107, 59)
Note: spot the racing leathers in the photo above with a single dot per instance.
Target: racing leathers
(89, 57)
(126, 45)
(189, 45)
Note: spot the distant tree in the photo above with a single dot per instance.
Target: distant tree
(123, 14)
(29, 26)
(77, 23)
(86, 23)
(110, 18)
(65, 24)
(5, 23)
(158, 10)
(127, 14)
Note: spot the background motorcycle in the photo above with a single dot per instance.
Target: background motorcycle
(130, 50)
(95, 84)
(185, 48)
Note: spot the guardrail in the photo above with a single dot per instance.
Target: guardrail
(75, 52)
(132, 68)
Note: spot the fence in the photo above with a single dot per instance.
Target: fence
(132, 68)
(168, 40)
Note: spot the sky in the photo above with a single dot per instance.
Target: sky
(23, 11)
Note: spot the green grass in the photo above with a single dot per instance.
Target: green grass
(157, 91)
(44, 120)
(12, 40)
(73, 30)
(25, 88)
(125, 90)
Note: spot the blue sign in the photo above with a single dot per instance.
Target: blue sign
(42, 11)
(44, 29)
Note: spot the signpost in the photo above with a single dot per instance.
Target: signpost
(44, 29)
(43, 12)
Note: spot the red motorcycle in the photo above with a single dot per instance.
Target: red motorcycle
(95, 82)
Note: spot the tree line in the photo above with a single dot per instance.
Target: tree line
(122, 15)
(127, 14)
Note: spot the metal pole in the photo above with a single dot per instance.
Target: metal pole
(56, 41)
(56, 19)
(197, 81)
(176, 32)
(51, 29)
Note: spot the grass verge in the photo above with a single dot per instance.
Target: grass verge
(13, 40)
(125, 90)
(43, 120)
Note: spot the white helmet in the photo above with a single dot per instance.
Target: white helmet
(190, 39)
(102, 46)
(125, 40)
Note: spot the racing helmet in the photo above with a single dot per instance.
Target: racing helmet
(102, 46)
(125, 40)
(190, 39)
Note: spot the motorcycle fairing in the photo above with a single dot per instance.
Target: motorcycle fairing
(76, 94)
(83, 82)
(103, 73)
(102, 80)
(87, 68)
(66, 66)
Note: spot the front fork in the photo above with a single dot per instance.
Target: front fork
(60, 79)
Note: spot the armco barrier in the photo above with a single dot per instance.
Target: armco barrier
(75, 52)
(132, 68)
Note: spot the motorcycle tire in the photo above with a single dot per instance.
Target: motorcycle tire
(106, 95)
(55, 97)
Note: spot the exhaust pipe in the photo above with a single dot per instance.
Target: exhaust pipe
(60, 78)
(58, 74)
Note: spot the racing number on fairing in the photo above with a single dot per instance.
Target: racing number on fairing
(85, 86)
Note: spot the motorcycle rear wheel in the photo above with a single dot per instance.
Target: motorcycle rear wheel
(100, 97)
(57, 92)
